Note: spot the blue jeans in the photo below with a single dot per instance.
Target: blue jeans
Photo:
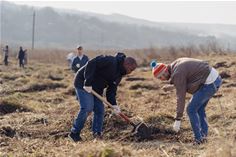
(88, 103)
(197, 105)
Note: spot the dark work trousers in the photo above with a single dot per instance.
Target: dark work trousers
(21, 63)
(6, 60)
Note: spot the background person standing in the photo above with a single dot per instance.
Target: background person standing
(21, 57)
(80, 60)
(5, 55)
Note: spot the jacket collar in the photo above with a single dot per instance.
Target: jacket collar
(120, 57)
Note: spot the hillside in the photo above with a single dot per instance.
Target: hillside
(55, 28)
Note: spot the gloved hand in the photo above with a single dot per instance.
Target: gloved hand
(88, 89)
(176, 126)
(78, 65)
(116, 109)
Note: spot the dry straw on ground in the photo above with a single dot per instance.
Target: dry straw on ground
(37, 107)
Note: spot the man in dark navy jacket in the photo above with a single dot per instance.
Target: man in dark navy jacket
(99, 73)
(21, 57)
(80, 60)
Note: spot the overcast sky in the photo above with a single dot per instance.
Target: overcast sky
(159, 11)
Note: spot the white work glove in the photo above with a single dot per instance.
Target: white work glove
(88, 89)
(176, 126)
(116, 109)
(78, 65)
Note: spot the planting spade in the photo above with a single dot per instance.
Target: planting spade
(141, 130)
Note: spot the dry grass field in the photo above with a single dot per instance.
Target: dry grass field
(37, 107)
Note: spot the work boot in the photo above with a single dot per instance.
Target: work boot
(196, 142)
(202, 141)
(97, 135)
(75, 137)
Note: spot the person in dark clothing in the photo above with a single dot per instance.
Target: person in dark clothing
(99, 73)
(80, 60)
(5, 55)
(21, 56)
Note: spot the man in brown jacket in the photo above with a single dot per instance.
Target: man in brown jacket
(196, 77)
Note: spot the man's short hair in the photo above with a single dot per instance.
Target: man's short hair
(131, 61)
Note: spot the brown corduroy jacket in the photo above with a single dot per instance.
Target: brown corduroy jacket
(187, 75)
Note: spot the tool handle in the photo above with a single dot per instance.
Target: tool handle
(126, 119)
(101, 98)
(110, 105)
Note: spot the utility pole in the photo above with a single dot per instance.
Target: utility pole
(102, 40)
(80, 35)
(228, 47)
(33, 29)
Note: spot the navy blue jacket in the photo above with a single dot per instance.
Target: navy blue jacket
(81, 62)
(21, 55)
(100, 73)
